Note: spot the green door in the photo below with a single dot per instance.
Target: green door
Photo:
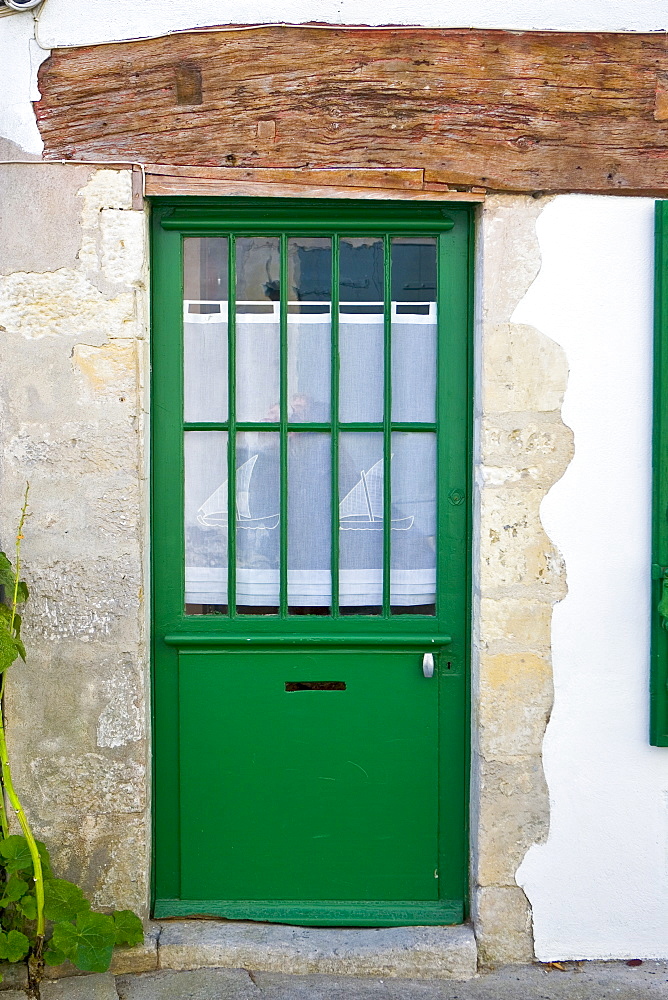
(310, 560)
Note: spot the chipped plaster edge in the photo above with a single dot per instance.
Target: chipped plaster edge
(511, 650)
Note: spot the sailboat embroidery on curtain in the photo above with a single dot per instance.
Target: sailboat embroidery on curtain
(213, 512)
(360, 510)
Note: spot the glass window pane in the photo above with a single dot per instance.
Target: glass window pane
(258, 328)
(413, 538)
(257, 520)
(206, 522)
(414, 329)
(309, 329)
(309, 520)
(205, 329)
(361, 330)
(361, 523)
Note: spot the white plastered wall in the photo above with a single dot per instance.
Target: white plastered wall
(599, 886)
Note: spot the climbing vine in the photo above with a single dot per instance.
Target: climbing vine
(43, 919)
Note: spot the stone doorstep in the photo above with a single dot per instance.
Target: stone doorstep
(390, 952)
(401, 952)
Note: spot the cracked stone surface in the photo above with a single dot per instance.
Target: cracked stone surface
(572, 981)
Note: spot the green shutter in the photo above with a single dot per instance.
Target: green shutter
(659, 668)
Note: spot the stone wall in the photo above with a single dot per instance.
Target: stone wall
(523, 447)
(73, 323)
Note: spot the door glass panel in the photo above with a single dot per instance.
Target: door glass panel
(414, 329)
(413, 536)
(309, 329)
(361, 330)
(206, 522)
(258, 289)
(361, 523)
(309, 520)
(205, 329)
(257, 522)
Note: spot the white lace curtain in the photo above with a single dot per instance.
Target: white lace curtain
(359, 506)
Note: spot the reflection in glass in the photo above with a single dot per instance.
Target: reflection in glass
(309, 518)
(361, 523)
(205, 517)
(205, 329)
(258, 290)
(361, 330)
(309, 328)
(413, 550)
(414, 329)
(257, 522)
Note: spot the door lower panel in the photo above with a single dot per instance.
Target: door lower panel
(308, 794)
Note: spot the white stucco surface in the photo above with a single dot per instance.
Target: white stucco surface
(599, 886)
(65, 23)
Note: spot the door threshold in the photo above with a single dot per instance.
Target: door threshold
(394, 952)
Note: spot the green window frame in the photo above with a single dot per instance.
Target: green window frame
(659, 640)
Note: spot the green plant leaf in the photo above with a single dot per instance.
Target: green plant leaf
(17, 858)
(16, 853)
(27, 905)
(89, 943)
(9, 650)
(13, 946)
(22, 593)
(54, 957)
(6, 571)
(129, 928)
(63, 900)
(45, 858)
(14, 889)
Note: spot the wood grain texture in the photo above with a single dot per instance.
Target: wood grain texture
(528, 111)
(206, 186)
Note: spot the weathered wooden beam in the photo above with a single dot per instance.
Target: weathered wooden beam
(527, 111)
(159, 184)
(322, 176)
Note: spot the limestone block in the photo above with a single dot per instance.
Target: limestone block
(515, 703)
(63, 303)
(84, 600)
(91, 784)
(401, 952)
(509, 251)
(40, 222)
(122, 245)
(514, 625)
(531, 449)
(502, 919)
(109, 370)
(515, 552)
(121, 721)
(513, 814)
(141, 958)
(522, 370)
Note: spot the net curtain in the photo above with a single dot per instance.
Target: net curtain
(361, 468)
